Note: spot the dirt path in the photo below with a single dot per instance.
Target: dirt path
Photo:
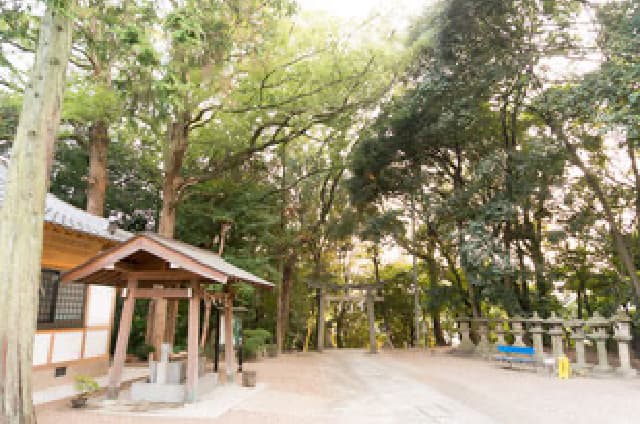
(350, 386)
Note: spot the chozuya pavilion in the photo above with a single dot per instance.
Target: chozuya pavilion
(153, 267)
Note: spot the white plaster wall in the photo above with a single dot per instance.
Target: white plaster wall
(67, 346)
(100, 304)
(41, 343)
(95, 343)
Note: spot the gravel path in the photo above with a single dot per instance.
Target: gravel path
(350, 386)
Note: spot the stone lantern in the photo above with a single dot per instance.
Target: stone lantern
(578, 336)
(598, 326)
(556, 332)
(622, 334)
(483, 347)
(499, 330)
(517, 330)
(466, 345)
(536, 331)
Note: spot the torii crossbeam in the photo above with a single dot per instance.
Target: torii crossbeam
(370, 299)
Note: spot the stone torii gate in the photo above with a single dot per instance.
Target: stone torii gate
(369, 297)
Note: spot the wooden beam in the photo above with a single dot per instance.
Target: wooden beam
(143, 243)
(159, 321)
(216, 297)
(351, 298)
(115, 375)
(205, 323)
(331, 286)
(229, 359)
(162, 293)
(163, 275)
(192, 344)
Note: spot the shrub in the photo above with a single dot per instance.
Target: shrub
(260, 334)
(143, 351)
(250, 348)
(86, 385)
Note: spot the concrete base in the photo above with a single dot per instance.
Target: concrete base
(154, 392)
(169, 393)
(628, 373)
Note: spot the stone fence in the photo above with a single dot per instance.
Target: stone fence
(597, 329)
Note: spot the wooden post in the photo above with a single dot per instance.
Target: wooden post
(216, 351)
(115, 376)
(205, 324)
(228, 338)
(159, 323)
(373, 345)
(192, 343)
(320, 336)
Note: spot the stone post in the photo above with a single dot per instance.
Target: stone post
(598, 326)
(556, 332)
(484, 347)
(536, 331)
(466, 345)
(578, 336)
(622, 330)
(499, 330)
(517, 330)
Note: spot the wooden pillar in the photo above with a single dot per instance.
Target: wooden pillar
(192, 343)
(205, 324)
(216, 349)
(228, 337)
(320, 336)
(115, 375)
(373, 345)
(159, 323)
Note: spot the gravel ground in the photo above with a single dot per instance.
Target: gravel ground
(350, 386)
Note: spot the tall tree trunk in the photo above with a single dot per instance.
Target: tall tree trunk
(98, 168)
(631, 150)
(438, 332)
(525, 302)
(21, 217)
(458, 184)
(593, 182)
(434, 282)
(579, 300)
(164, 317)
(287, 282)
(282, 290)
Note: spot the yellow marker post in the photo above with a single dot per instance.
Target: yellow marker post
(563, 367)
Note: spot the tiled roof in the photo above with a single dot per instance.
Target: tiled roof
(111, 266)
(68, 216)
(209, 259)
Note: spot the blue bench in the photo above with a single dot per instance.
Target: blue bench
(515, 354)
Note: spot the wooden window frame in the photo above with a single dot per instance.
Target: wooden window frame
(60, 324)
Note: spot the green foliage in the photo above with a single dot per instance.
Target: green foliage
(251, 348)
(142, 351)
(260, 334)
(254, 341)
(85, 385)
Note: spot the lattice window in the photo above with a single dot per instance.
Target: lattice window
(70, 302)
(47, 294)
(60, 305)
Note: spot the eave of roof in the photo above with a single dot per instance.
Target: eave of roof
(68, 216)
(207, 265)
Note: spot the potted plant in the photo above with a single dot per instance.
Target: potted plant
(85, 386)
